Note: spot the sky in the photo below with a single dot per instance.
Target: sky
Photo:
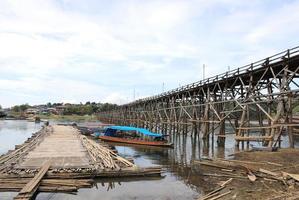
(114, 51)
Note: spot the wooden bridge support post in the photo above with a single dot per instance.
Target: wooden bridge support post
(290, 120)
(206, 124)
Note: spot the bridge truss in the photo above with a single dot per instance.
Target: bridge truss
(256, 101)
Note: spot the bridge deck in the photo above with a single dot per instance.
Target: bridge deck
(62, 146)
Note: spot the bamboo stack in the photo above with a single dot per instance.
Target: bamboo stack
(103, 157)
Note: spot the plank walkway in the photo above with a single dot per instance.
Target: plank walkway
(62, 146)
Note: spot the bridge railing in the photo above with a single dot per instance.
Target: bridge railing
(229, 74)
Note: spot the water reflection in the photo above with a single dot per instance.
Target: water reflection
(14, 132)
(177, 162)
(181, 179)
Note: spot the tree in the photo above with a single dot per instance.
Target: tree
(24, 107)
(0, 107)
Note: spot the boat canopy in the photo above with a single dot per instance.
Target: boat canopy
(112, 129)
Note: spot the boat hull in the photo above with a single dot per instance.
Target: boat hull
(134, 141)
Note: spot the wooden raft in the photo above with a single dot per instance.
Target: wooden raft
(75, 161)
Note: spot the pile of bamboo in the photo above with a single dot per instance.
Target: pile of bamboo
(104, 158)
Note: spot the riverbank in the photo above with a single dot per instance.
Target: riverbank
(69, 117)
(21, 116)
(255, 175)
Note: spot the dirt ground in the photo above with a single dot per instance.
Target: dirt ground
(284, 160)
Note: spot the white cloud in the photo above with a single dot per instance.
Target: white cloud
(100, 52)
(116, 98)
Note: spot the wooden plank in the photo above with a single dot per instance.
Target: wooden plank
(31, 187)
(256, 127)
(252, 138)
(268, 172)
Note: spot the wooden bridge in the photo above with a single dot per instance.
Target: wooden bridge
(255, 101)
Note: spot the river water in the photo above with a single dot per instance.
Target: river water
(181, 179)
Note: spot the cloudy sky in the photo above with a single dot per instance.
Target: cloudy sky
(92, 50)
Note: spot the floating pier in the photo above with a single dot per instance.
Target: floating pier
(60, 159)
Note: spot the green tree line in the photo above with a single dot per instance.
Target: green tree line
(72, 109)
(21, 108)
(88, 108)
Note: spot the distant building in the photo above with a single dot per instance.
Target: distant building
(47, 111)
(60, 109)
(53, 111)
(32, 111)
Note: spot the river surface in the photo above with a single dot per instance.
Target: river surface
(180, 180)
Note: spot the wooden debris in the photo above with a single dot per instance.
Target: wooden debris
(212, 195)
(31, 187)
(252, 162)
(224, 175)
(268, 172)
(209, 195)
(251, 177)
(226, 182)
(293, 176)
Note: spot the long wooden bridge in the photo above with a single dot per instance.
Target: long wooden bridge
(255, 100)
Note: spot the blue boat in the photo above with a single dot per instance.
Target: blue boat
(133, 135)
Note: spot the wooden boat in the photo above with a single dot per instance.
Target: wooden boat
(133, 135)
(135, 141)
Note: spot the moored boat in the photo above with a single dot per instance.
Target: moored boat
(133, 135)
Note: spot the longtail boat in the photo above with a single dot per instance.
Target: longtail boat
(133, 135)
